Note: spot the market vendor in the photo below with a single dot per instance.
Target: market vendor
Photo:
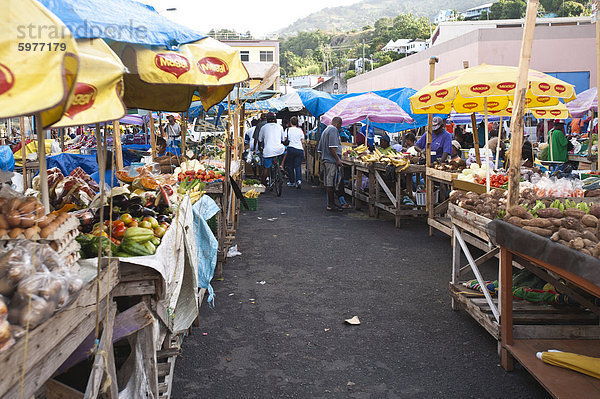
(109, 175)
(456, 147)
(165, 159)
(558, 151)
(441, 141)
(384, 143)
(409, 141)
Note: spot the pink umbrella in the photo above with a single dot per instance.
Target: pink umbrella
(367, 106)
(585, 101)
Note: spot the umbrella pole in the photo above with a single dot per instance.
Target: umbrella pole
(367, 135)
(500, 130)
(42, 162)
(474, 128)
(23, 152)
(183, 133)
(516, 123)
(117, 144)
(487, 151)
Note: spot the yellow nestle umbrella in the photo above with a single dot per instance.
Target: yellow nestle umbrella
(580, 363)
(98, 88)
(558, 111)
(165, 79)
(466, 90)
(38, 62)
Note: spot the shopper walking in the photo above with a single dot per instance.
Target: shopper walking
(295, 153)
(173, 130)
(330, 147)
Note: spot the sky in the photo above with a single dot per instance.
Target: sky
(260, 17)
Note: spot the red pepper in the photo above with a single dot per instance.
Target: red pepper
(118, 231)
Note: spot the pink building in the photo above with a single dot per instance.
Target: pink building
(564, 47)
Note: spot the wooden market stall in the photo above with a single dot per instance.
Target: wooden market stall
(387, 189)
(575, 273)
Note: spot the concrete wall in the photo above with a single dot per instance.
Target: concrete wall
(555, 49)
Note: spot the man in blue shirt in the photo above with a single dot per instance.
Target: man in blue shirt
(441, 141)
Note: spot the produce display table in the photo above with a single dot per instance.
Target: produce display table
(437, 218)
(583, 162)
(531, 319)
(52, 342)
(582, 273)
(384, 195)
(216, 191)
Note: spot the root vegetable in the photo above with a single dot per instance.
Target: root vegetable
(589, 220)
(542, 223)
(588, 235)
(589, 243)
(539, 231)
(596, 251)
(518, 211)
(566, 234)
(555, 237)
(517, 221)
(550, 213)
(586, 251)
(577, 243)
(595, 210)
(572, 224)
(575, 213)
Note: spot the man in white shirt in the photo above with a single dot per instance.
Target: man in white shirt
(270, 141)
(173, 130)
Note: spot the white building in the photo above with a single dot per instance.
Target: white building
(475, 12)
(443, 16)
(406, 46)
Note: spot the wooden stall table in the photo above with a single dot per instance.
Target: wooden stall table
(536, 319)
(52, 342)
(578, 273)
(437, 218)
(392, 201)
(312, 162)
(583, 163)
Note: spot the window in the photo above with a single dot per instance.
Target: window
(245, 55)
(266, 56)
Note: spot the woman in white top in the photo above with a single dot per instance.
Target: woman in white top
(295, 152)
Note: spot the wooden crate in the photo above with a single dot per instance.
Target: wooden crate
(440, 175)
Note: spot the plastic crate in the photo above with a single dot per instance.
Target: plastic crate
(422, 198)
(252, 204)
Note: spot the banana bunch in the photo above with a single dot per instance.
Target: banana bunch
(361, 149)
(252, 194)
(196, 195)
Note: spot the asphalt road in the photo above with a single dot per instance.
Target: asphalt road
(287, 338)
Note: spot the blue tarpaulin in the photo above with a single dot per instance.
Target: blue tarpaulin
(120, 20)
(318, 102)
(206, 244)
(67, 162)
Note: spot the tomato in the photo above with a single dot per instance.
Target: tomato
(134, 223)
(118, 231)
(118, 223)
(127, 218)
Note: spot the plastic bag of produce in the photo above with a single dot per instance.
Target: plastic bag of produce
(18, 213)
(15, 264)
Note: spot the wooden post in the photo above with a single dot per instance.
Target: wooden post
(62, 139)
(42, 162)
(152, 137)
(500, 130)
(428, 182)
(506, 313)
(117, 149)
(516, 122)
(474, 127)
(23, 152)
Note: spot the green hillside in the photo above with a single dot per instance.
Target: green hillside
(366, 12)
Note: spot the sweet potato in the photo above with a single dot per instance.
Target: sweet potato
(563, 242)
(574, 213)
(588, 235)
(518, 211)
(539, 231)
(577, 243)
(517, 221)
(589, 220)
(550, 213)
(595, 210)
(592, 193)
(556, 222)
(589, 243)
(596, 251)
(537, 222)
(555, 237)
(586, 251)
(566, 234)
(572, 224)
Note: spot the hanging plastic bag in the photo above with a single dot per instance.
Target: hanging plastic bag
(7, 160)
